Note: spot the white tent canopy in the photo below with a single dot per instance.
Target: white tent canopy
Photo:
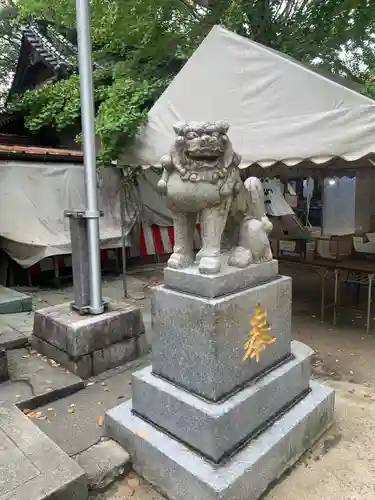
(278, 109)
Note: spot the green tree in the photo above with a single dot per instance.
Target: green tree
(137, 45)
(10, 41)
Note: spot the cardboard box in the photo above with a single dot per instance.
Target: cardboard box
(292, 200)
(288, 227)
(335, 247)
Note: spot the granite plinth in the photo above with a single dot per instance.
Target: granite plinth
(215, 430)
(199, 342)
(181, 474)
(89, 345)
(32, 467)
(229, 280)
(78, 335)
(98, 361)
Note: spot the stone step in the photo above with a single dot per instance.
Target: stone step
(12, 301)
(103, 463)
(180, 473)
(32, 467)
(217, 429)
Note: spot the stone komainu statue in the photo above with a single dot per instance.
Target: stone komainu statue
(201, 178)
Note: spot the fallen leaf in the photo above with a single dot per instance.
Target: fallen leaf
(72, 408)
(26, 411)
(133, 483)
(26, 356)
(141, 434)
(36, 414)
(100, 421)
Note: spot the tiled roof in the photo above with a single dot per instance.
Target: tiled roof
(36, 151)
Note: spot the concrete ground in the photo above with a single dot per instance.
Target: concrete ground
(342, 465)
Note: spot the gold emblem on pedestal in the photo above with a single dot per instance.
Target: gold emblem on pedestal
(259, 335)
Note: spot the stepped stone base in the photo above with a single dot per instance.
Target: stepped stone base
(89, 345)
(215, 430)
(205, 421)
(180, 473)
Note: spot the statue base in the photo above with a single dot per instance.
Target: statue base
(230, 279)
(205, 421)
(181, 474)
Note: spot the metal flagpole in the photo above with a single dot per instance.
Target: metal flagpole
(89, 149)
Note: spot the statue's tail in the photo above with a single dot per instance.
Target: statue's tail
(267, 224)
(255, 187)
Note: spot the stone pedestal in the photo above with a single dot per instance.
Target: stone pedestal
(204, 423)
(89, 345)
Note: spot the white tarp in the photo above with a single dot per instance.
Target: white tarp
(33, 197)
(278, 109)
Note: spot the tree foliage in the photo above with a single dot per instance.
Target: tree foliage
(137, 45)
(10, 41)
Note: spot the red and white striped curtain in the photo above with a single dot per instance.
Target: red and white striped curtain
(157, 240)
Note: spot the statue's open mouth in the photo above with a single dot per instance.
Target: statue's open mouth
(203, 156)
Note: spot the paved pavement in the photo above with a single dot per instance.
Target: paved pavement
(340, 468)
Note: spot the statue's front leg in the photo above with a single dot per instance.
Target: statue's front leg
(213, 222)
(184, 227)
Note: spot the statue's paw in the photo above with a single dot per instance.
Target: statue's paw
(241, 257)
(206, 252)
(180, 261)
(209, 265)
(268, 255)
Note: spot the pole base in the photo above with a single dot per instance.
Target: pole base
(86, 310)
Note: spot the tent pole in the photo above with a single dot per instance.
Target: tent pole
(123, 242)
(89, 149)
